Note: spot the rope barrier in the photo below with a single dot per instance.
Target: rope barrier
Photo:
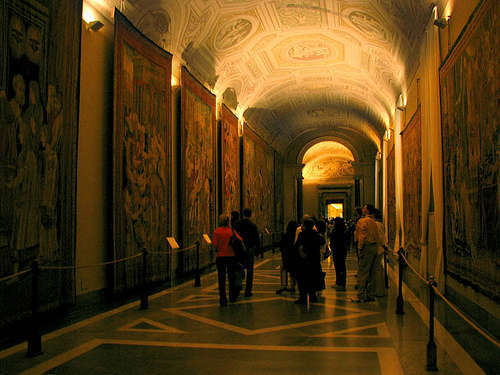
(414, 270)
(15, 275)
(90, 265)
(453, 307)
(160, 252)
(476, 327)
(186, 249)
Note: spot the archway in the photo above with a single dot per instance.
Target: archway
(328, 179)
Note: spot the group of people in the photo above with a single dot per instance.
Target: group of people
(303, 247)
(236, 242)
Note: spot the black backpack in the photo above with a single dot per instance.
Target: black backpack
(239, 248)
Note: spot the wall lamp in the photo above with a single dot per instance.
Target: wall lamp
(94, 26)
(441, 23)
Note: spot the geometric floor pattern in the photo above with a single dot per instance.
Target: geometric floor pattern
(185, 331)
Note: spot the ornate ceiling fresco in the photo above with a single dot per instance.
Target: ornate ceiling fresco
(327, 160)
(294, 64)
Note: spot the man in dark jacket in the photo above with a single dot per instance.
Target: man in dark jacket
(250, 234)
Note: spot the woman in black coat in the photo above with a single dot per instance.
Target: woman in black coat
(308, 245)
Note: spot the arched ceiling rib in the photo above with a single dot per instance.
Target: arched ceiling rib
(327, 160)
(361, 147)
(282, 56)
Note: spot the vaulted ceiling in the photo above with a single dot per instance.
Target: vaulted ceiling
(295, 65)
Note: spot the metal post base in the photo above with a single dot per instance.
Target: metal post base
(34, 346)
(431, 357)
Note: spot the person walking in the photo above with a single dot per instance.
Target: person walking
(308, 245)
(367, 237)
(226, 259)
(250, 234)
(338, 246)
(288, 258)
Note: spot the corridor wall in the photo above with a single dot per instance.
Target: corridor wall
(427, 94)
(95, 152)
(94, 213)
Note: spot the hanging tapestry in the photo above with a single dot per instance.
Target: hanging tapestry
(198, 160)
(391, 198)
(412, 183)
(258, 179)
(39, 73)
(471, 164)
(279, 193)
(230, 162)
(142, 160)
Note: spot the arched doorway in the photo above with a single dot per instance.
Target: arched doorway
(328, 180)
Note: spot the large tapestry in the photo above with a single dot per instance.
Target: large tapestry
(412, 183)
(258, 179)
(39, 72)
(142, 162)
(471, 143)
(391, 197)
(230, 162)
(198, 159)
(279, 193)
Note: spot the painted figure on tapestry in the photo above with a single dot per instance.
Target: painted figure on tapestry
(412, 184)
(259, 182)
(141, 185)
(230, 163)
(198, 168)
(471, 138)
(31, 129)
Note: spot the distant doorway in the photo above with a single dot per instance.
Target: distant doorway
(334, 209)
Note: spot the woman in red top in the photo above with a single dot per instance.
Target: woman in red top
(226, 259)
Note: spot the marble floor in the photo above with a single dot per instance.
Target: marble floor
(185, 331)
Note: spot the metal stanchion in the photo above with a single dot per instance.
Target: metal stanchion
(34, 336)
(431, 345)
(144, 292)
(400, 301)
(197, 280)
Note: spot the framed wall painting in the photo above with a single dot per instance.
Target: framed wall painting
(198, 149)
(471, 165)
(229, 161)
(141, 153)
(258, 179)
(411, 139)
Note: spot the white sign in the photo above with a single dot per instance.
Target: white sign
(173, 243)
